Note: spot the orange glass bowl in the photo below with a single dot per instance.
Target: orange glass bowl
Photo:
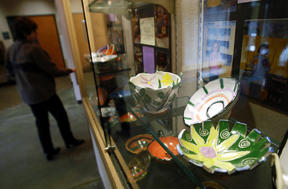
(156, 150)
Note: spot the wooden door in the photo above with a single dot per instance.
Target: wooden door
(48, 37)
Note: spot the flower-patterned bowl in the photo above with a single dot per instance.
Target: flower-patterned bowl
(221, 149)
(155, 92)
(213, 101)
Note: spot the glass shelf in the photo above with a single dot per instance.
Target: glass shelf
(112, 72)
(172, 172)
(114, 7)
(156, 126)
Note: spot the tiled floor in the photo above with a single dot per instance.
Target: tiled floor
(22, 162)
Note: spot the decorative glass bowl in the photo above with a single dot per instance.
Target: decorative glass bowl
(155, 92)
(156, 150)
(138, 143)
(139, 164)
(221, 149)
(129, 117)
(213, 101)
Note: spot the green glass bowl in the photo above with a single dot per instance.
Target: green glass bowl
(221, 149)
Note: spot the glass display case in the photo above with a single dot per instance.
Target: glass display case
(187, 97)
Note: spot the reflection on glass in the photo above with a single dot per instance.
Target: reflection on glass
(264, 60)
(111, 6)
(217, 46)
(139, 164)
(124, 116)
(82, 39)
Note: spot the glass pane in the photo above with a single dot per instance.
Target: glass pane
(214, 46)
(140, 42)
(263, 73)
(81, 34)
(231, 36)
(247, 41)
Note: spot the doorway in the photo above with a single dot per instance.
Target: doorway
(47, 36)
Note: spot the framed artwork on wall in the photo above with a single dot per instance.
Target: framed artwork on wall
(162, 27)
(219, 39)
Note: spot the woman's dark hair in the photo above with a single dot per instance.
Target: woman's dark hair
(22, 27)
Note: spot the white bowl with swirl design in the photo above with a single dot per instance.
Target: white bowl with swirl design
(213, 101)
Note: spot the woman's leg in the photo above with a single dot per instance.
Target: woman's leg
(56, 108)
(42, 123)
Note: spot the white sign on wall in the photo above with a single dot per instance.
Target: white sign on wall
(147, 31)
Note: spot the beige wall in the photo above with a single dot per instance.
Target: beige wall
(76, 6)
